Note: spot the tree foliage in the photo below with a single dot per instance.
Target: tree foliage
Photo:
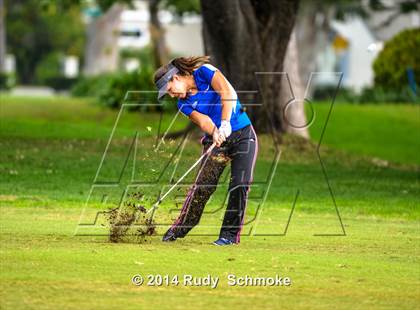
(36, 30)
(397, 56)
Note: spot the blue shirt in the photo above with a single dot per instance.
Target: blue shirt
(207, 101)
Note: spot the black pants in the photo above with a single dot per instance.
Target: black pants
(241, 149)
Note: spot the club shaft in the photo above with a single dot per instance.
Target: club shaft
(186, 173)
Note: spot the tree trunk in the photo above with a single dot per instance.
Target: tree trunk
(2, 36)
(312, 29)
(248, 36)
(307, 35)
(157, 33)
(294, 112)
(101, 54)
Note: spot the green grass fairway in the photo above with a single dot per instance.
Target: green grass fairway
(44, 266)
(50, 153)
(390, 132)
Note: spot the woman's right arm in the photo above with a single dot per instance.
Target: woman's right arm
(206, 124)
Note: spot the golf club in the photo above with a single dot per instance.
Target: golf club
(156, 204)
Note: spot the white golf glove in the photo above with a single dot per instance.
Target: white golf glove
(225, 128)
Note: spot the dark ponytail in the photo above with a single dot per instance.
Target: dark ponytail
(185, 65)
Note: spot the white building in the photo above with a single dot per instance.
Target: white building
(182, 39)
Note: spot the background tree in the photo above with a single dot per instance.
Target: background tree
(157, 35)
(295, 112)
(36, 30)
(2, 36)
(245, 37)
(103, 30)
(249, 36)
(396, 58)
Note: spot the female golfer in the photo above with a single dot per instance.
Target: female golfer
(209, 100)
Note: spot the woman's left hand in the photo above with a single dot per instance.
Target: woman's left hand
(218, 138)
